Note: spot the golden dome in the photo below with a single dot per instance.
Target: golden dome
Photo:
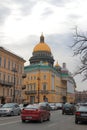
(42, 46)
(57, 64)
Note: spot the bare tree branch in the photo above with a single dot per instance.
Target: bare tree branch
(80, 48)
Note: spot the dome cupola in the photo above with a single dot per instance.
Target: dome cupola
(42, 38)
(42, 46)
(42, 52)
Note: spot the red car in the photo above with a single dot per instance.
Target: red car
(35, 112)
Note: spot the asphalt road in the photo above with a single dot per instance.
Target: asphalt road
(57, 122)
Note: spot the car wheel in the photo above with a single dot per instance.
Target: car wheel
(41, 119)
(23, 120)
(12, 113)
(19, 112)
(62, 113)
(76, 121)
(48, 118)
(72, 113)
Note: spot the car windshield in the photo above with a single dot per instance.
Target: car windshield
(82, 108)
(52, 104)
(8, 105)
(43, 103)
(83, 104)
(59, 104)
(67, 105)
(32, 107)
(21, 105)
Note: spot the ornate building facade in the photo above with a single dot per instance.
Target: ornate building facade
(11, 70)
(45, 81)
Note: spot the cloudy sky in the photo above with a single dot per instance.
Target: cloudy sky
(23, 21)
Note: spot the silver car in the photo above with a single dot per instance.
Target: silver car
(10, 109)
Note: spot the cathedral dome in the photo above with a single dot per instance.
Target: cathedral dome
(57, 65)
(42, 46)
(42, 53)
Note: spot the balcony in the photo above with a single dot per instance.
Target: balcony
(31, 92)
(44, 91)
(23, 75)
(23, 87)
(6, 83)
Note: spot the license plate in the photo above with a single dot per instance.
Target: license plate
(83, 114)
(28, 117)
(67, 108)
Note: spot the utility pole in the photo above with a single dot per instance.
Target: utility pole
(38, 89)
(14, 70)
(38, 83)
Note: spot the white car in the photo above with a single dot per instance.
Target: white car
(10, 109)
(53, 106)
(1, 105)
(21, 106)
(59, 105)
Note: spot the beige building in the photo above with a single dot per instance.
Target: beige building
(81, 96)
(11, 70)
(45, 81)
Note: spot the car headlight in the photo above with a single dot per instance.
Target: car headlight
(8, 110)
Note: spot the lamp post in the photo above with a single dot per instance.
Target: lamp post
(14, 70)
(38, 89)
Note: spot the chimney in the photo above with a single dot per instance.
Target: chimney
(64, 65)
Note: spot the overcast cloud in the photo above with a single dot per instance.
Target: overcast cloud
(23, 21)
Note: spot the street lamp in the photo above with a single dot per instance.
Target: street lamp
(14, 70)
(38, 89)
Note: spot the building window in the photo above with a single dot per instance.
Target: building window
(44, 86)
(9, 65)
(31, 78)
(15, 81)
(0, 75)
(34, 77)
(12, 79)
(7, 92)
(4, 77)
(31, 87)
(52, 82)
(3, 91)
(34, 86)
(8, 78)
(4, 62)
(28, 86)
(0, 61)
(11, 92)
(20, 68)
(44, 77)
(12, 64)
(20, 81)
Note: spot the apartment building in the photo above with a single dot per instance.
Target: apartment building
(11, 70)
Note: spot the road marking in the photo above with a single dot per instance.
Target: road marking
(6, 118)
(56, 123)
(12, 122)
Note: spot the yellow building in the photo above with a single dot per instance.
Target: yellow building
(11, 70)
(44, 81)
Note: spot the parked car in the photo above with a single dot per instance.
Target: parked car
(81, 114)
(1, 105)
(68, 109)
(59, 105)
(46, 104)
(10, 109)
(21, 106)
(35, 112)
(53, 106)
